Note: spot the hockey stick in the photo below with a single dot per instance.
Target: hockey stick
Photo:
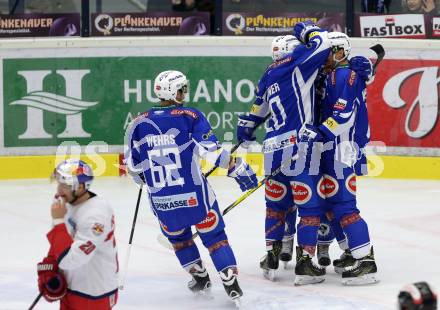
(380, 52)
(37, 299)
(164, 241)
(130, 241)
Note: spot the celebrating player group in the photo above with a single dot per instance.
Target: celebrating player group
(313, 98)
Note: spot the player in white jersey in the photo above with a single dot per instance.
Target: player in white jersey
(81, 268)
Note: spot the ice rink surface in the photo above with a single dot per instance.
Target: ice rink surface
(403, 218)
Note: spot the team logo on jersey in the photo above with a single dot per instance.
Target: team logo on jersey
(324, 230)
(207, 135)
(168, 203)
(209, 223)
(321, 188)
(331, 186)
(97, 229)
(350, 183)
(302, 193)
(275, 190)
(340, 104)
(171, 233)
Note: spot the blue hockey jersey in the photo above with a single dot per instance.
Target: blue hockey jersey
(287, 91)
(167, 143)
(345, 116)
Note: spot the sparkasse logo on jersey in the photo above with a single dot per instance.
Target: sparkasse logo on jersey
(393, 26)
(168, 203)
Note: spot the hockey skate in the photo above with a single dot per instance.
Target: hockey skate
(363, 271)
(323, 256)
(346, 260)
(286, 252)
(230, 283)
(306, 271)
(200, 283)
(270, 262)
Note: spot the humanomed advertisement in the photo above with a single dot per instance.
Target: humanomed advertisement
(50, 101)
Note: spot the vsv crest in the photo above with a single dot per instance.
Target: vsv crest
(38, 101)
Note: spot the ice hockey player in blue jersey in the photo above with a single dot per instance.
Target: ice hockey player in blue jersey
(276, 192)
(344, 132)
(288, 88)
(165, 146)
(282, 46)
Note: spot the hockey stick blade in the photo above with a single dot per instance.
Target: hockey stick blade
(163, 241)
(380, 52)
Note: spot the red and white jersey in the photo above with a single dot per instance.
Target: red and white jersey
(86, 250)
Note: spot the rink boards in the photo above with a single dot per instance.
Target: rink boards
(82, 93)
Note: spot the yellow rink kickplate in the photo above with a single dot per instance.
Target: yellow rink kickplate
(31, 167)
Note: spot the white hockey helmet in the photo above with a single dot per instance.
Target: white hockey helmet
(168, 83)
(74, 172)
(283, 45)
(340, 40)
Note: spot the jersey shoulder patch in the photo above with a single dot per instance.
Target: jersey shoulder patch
(280, 62)
(184, 111)
(97, 229)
